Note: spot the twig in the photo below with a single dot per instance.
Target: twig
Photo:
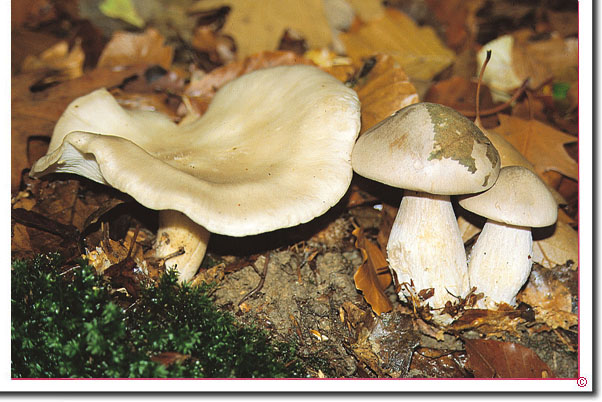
(501, 107)
(261, 281)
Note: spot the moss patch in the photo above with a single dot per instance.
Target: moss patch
(67, 325)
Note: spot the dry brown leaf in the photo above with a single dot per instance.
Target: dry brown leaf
(491, 322)
(128, 49)
(35, 113)
(455, 17)
(68, 62)
(258, 25)
(220, 48)
(437, 363)
(510, 156)
(384, 90)
(557, 249)
(541, 144)
(418, 50)
(201, 91)
(545, 291)
(488, 358)
(368, 277)
(544, 59)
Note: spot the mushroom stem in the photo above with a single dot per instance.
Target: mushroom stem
(425, 246)
(500, 262)
(176, 232)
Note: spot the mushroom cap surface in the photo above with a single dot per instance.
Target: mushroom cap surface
(519, 197)
(273, 150)
(430, 148)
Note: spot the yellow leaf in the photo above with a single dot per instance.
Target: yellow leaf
(383, 91)
(418, 50)
(541, 144)
(258, 25)
(122, 9)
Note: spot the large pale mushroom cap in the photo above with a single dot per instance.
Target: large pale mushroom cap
(519, 197)
(272, 151)
(429, 148)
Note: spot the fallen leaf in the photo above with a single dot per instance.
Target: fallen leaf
(122, 9)
(541, 144)
(541, 60)
(546, 291)
(382, 343)
(373, 276)
(491, 322)
(455, 17)
(510, 156)
(219, 47)
(418, 50)
(557, 249)
(488, 358)
(437, 363)
(68, 62)
(367, 10)
(383, 90)
(128, 49)
(515, 58)
(565, 23)
(259, 24)
(32, 13)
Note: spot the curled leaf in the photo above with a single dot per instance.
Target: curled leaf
(373, 276)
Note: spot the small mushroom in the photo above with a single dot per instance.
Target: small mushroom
(272, 151)
(500, 260)
(432, 152)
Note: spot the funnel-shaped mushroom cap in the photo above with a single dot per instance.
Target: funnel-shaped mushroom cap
(272, 151)
(519, 197)
(429, 148)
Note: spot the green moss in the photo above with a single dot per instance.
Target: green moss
(68, 326)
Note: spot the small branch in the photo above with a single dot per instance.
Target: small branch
(501, 107)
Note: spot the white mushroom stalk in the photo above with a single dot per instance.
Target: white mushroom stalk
(425, 246)
(433, 152)
(272, 151)
(500, 260)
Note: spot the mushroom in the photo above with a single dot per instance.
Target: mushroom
(500, 260)
(272, 151)
(432, 152)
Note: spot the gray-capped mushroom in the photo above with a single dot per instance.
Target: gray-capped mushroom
(500, 260)
(432, 152)
(272, 151)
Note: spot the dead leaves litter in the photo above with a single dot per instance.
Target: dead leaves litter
(418, 50)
